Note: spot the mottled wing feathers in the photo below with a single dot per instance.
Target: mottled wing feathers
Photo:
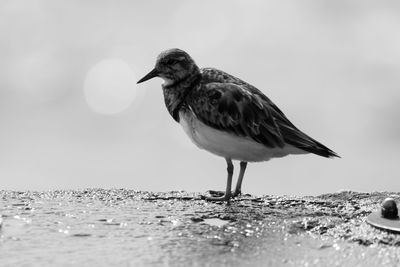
(227, 103)
(229, 107)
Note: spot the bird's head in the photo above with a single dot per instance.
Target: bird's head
(172, 66)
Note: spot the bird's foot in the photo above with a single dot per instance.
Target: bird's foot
(218, 196)
(215, 193)
(226, 198)
(236, 193)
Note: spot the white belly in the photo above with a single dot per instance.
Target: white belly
(228, 145)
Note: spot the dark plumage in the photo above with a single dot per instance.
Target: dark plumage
(240, 108)
(215, 103)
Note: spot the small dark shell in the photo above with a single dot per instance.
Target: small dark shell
(389, 209)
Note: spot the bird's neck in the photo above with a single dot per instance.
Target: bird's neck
(176, 92)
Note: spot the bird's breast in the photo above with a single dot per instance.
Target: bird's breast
(227, 144)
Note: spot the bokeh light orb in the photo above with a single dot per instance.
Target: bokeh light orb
(110, 86)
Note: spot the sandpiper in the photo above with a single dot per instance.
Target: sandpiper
(227, 116)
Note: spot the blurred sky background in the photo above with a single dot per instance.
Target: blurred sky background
(71, 115)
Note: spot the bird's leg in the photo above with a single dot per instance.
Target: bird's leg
(238, 189)
(228, 193)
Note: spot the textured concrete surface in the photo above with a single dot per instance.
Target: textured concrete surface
(131, 228)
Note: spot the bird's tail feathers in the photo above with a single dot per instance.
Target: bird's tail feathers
(297, 138)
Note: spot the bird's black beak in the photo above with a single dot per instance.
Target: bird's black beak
(151, 74)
